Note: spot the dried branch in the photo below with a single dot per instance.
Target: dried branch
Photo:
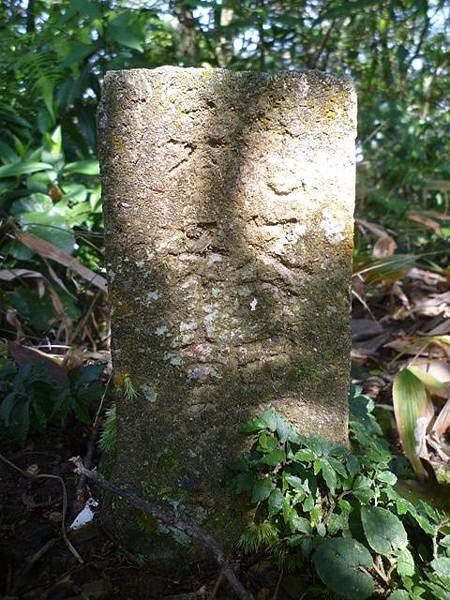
(193, 531)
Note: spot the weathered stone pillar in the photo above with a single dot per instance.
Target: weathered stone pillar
(228, 203)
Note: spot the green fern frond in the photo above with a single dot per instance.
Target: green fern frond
(129, 390)
(108, 436)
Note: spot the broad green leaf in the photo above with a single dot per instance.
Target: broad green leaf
(410, 404)
(405, 563)
(384, 530)
(337, 466)
(270, 418)
(275, 501)
(353, 465)
(261, 490)
(243, 482)
(337, 561)
(266, 443)
(50, 226)
(387, 477)
(295, 482)
(283, 429)
(362, 488)
(439, 593)
(441, 567)
(304, 455)
(23, 168)
(7, 407)
(309, 503)
(253, 426)
(274, 458)
(299, 524)
(39, 203)
(399, 595)
(329, 474)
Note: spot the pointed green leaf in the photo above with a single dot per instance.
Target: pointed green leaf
(261, 490)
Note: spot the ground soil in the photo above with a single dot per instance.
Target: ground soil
(36, 564)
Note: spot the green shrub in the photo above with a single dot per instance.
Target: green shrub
(338, 507)
(33, 400)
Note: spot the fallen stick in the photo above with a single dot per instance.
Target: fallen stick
(193, 531)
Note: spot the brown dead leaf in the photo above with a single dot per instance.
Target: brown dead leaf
(442, 329)
(442, 423)
(425, 220)
(23, 355)
(11, 274)
(384, 246)
(48, 250)
(374, 228)
(428, 277)
(433, 305)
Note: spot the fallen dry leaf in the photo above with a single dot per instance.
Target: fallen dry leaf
(48, 250)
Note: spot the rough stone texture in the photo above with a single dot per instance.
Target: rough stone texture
(228, 202)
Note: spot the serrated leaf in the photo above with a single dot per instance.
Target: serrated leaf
(266, 443)
(387, 477)
(383, 530)
(405, 563)
(270, 419)
(295, 482)
(253, 426)
(283, 429)
(399, 595)
(441, 567)
(304, 455)
(337, 561)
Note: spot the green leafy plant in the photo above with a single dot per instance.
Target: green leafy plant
(338, 507)
(33, 400)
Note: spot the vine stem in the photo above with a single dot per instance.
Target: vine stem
(192, 530)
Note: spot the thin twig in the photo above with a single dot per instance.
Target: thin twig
(29, 475)
(79, 495)
(193, 531)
